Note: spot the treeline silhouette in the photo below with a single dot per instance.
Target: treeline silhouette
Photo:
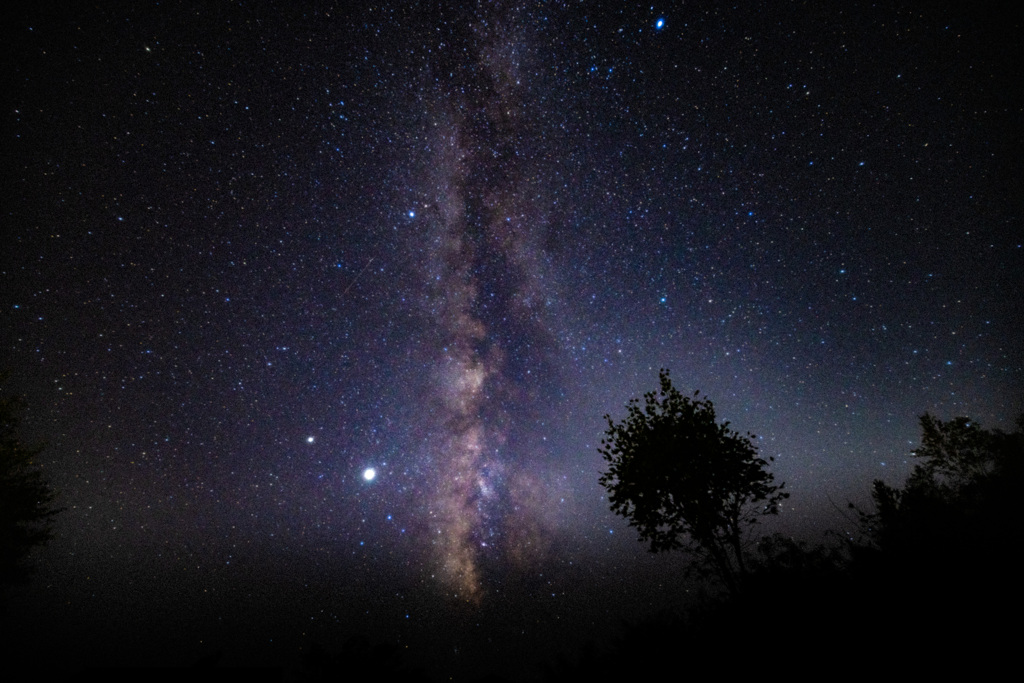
(931, 585)
(928, 586)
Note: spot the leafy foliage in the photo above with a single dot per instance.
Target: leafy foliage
(943, 548)
(25, 498)
(961, 493)
(685, 481)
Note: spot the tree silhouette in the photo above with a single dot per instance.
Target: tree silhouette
(25, 498)
(685, 481)
(961, 496)
(942, 550)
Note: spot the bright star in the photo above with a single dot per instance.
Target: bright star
(369, 474)
(310, 439)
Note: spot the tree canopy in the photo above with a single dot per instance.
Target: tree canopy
(685, 481)
(962, 493)
(26, 500)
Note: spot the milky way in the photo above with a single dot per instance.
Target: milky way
(482, 222)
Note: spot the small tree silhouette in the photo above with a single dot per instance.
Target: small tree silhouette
(685, 481)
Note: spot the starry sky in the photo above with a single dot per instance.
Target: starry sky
(322, 305)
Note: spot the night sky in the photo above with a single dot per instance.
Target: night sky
(318, 311)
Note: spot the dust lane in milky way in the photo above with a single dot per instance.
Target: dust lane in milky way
(481, 223)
